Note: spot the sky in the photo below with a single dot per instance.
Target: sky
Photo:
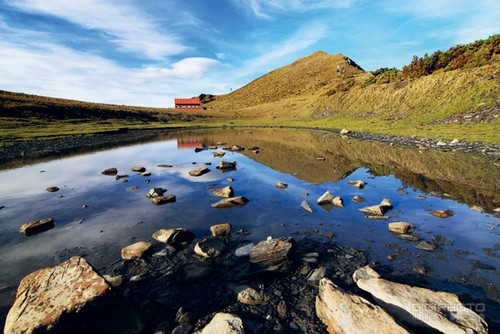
(146, 52)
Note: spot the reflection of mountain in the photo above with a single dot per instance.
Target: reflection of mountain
(467, 178)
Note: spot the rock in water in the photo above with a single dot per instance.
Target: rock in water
(326, 198)
(344, 131)
(47, 294)
(138, 169)
(223, 192)
(338, 202)
(420, 307)
(223, 323)
(281, 185)
(358, 199)
(210, 248)
(136, 251)
(344, 312)
(221, 230)
(273, 254)
(231, 202)
(400, 227)
(360, 184)
(226, 165)
(174, 236)
(38, 226)
(156, 192)
(52, 189)
(424, 245)
(304, 205)
(110, 171)
(199, 171)
(160, 200)
(443, 213)
(219, 154)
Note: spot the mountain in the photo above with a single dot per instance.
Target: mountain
(455, 86)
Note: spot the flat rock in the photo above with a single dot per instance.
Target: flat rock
(210, 248)
(36, 227)
(408, 237)
(400, 227)
(360, 184)
(223, 323)
(420, 307)
(373, 210)
(160, 200)
(121, 176)
(326, 198)
(138, 169)
(344, 312)
(281, 185)
(223, 192)
(110, 171)
(199, 171)
(219, 154)
(226, 165)
(424, 245)
(250, 296)
(231, 202)
(316, 275)
(304, 205)
(221, 230)
(358, 199)
(146, 174)
(273, 254)
(174, 236)
(52, 189)
(443, 213)
(156, 192)
(165, 166)
(47, 294)
(136, 251)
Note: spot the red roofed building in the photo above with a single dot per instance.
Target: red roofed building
(193, 104)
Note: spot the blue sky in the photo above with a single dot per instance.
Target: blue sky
(146, 52)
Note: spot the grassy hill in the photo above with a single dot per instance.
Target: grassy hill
(448, 94)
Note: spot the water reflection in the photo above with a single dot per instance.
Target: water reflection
(115, 215)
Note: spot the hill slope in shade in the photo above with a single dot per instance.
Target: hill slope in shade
(323, 87)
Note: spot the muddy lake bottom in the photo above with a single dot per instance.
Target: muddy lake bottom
(97, 215)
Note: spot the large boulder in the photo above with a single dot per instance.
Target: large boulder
(420, 307)
(344, 312)
(273, 254)
(223, 323)
(47, 294)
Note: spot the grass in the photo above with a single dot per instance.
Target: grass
(321, 90)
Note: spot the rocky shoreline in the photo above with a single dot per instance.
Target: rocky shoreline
(277, 286)
(21, 152)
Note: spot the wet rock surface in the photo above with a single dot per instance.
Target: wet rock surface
(38, 226)
(47, 295)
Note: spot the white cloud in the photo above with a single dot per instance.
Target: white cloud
(125, 24)
(190, 68)
(52, 70)
(265, 8)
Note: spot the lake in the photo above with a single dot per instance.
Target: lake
(96, 215)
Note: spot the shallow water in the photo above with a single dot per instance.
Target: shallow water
(116, 216)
